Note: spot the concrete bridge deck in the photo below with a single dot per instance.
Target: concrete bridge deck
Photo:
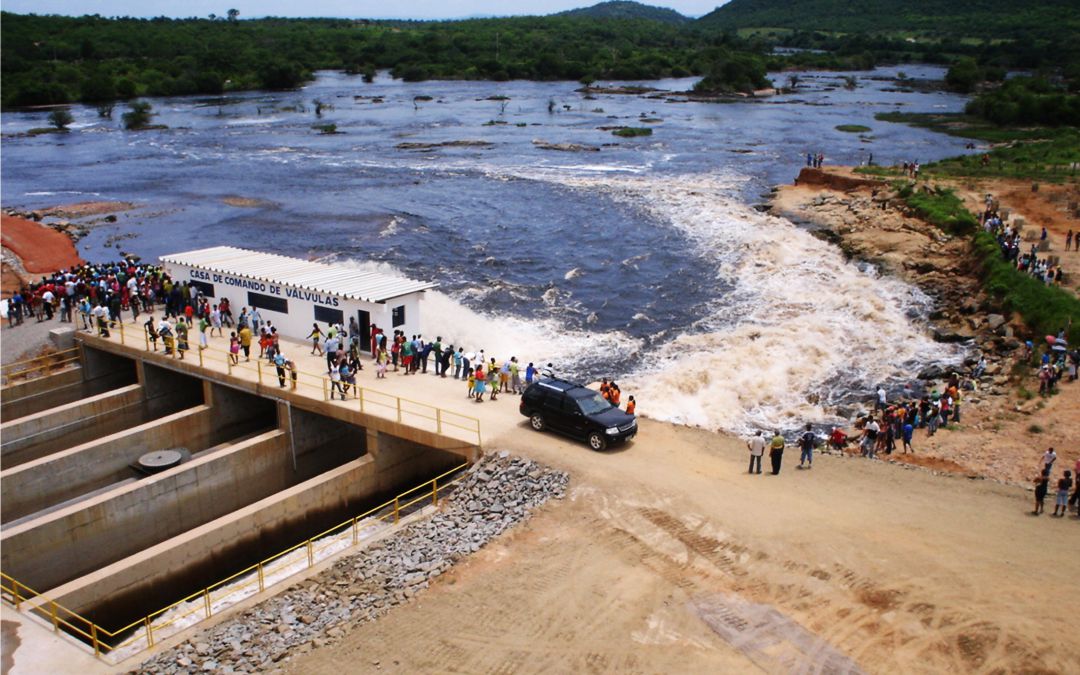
(406, 407)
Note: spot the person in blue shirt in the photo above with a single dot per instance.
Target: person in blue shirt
(908, 430)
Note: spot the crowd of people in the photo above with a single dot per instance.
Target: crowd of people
(1008, 237)
(814, 161)
(95, 292)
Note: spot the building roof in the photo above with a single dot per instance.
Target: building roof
(344, 282)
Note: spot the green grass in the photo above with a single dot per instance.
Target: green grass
(966, 126)
(630, 132)
(883, 171)
(1046, 309)
(1053, 160)
(853, 128)
(941, 207)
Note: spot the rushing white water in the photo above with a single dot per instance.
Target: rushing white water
(800, 328)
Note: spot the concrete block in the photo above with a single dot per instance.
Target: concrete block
(62, 338)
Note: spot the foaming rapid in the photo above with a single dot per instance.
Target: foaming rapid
(801, 329)
(540, 341)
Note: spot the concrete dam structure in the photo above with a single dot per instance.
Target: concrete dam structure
(92, 520)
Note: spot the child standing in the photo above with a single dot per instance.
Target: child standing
(1042, 484)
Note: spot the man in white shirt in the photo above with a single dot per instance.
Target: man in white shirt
(757, 449)
(1049, 457)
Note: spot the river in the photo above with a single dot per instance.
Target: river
(644, 260)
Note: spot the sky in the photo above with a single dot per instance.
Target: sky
(367, 9)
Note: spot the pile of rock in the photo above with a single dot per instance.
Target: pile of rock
(496, 493)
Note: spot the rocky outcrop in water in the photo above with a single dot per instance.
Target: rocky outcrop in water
(496, 494)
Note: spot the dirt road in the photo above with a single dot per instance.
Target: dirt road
(668, 557)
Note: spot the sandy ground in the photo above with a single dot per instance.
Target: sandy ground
(668, 557)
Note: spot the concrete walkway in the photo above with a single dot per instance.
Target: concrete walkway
(31, 648)
(420, 393)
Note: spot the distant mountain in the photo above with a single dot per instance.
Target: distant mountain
(625, 9)
(956, 17)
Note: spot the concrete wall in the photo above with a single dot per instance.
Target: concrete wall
(42, 393)
(67, 474)
(78, 539)
(28, 438)
(401, 462)
(155, 576)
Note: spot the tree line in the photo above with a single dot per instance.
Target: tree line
(54, 59)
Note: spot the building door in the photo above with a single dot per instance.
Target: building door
(363, 317)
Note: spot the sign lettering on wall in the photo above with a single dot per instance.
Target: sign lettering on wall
(263, 287)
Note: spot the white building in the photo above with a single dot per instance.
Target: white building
(293, 293)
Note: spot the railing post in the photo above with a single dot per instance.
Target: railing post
(258, 366)
(121, 330)
(200, 356)
(262, 579)
(52, 613)
(435, 492)
(228, 361)
(355, 532)
(399, 409)
(360, 395)
(310, 554)
(15, 591)
(206, 601)
(149, 632)
(325, 395)
(438, 420)
(146, 339)
(397, 517)
(94, 639)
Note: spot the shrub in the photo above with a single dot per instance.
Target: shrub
(630, 132)
(60, 119)
(853, 128)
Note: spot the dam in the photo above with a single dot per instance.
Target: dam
(131, 478)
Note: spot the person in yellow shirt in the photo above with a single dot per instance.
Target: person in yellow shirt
(245, 341)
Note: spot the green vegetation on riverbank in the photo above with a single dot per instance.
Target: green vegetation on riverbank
(853, 128)
(1045, 309)
(1050, 154)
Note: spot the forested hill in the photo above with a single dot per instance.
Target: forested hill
(975, 18)
(624, 9)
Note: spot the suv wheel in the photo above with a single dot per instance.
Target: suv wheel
(597, 441)
(537, 421)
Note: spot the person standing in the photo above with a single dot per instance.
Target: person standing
(256, 319)
(908, 432)
(1048, 459)
(245, 341)
(315, 335)
(806, 443)
(279, 362)
(1063, 486)
(756, 444)
(1042, 485)
(776, 452)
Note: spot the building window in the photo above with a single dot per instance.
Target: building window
(204, 288)
(268, 302)
(329, 315)
(399, 316)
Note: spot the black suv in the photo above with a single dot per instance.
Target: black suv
(577, 411)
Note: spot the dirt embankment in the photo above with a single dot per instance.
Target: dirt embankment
(1002, 423)
(32, 249)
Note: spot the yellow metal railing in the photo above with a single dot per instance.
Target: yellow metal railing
(257, 578)
(313, 384)
(39, 366)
